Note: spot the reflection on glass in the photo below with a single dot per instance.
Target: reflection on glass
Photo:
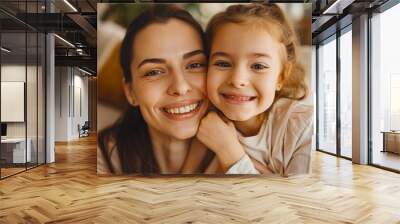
(346, 94)
(13, 86)
(327, 97)
(41, 99)
(23, 90)
(386, 88)
(31, 101)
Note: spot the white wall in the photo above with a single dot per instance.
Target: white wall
(71, 94)
(16, 73)
(33, 126)
(61, 103)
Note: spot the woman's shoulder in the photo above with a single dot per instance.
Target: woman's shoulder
(107, 153)
(106, 140)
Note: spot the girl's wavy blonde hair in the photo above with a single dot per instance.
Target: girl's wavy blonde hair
(270, 17)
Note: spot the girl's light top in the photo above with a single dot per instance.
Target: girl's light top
(283, 143)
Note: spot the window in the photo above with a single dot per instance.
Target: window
(327, 96)
(385, 89)
(346, 93)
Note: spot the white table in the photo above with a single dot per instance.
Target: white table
(18, 149)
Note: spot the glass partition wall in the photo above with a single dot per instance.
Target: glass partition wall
(22, 88)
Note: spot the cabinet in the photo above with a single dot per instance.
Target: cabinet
(391, 141)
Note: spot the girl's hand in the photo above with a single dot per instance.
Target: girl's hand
(220, 136)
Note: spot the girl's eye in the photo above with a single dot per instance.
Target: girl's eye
(195, 65)
(258, 66)
(154, 73)
(222, 64)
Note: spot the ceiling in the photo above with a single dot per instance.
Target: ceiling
(76, 25)
(331, 15)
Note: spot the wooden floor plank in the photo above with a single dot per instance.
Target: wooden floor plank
(69, 191)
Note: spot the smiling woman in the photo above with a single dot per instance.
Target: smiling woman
(164, 65)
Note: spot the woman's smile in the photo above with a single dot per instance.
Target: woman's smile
(182, 110)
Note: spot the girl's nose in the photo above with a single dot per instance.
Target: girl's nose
(239, 78)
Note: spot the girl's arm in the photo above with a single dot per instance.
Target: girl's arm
(220, 137)
(248, 165)
(297, 159)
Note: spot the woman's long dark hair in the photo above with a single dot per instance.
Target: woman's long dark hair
(130, 133)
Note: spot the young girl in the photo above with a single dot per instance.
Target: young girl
(255, 80)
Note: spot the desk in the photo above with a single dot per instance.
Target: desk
(391, 141)
(13, 150)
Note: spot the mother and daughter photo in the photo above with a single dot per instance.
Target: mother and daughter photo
(224, 98)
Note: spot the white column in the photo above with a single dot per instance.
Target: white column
(360, 90)
(50, 92)
(50, 98)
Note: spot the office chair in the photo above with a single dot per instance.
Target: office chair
(84, 130)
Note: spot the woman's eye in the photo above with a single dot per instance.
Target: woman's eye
(195, 65)
(222, 64)
(154, 73)
(259, 66)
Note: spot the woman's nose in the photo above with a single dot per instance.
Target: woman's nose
(239, 78)
(179, 85)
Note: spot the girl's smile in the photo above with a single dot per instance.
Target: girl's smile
(237, 98)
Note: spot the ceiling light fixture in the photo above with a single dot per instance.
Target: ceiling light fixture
(64, 40)
(337, 7)
(70, 5)
(5, 50)
(84, 71)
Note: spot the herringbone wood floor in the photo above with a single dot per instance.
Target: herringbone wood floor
(70, 192)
